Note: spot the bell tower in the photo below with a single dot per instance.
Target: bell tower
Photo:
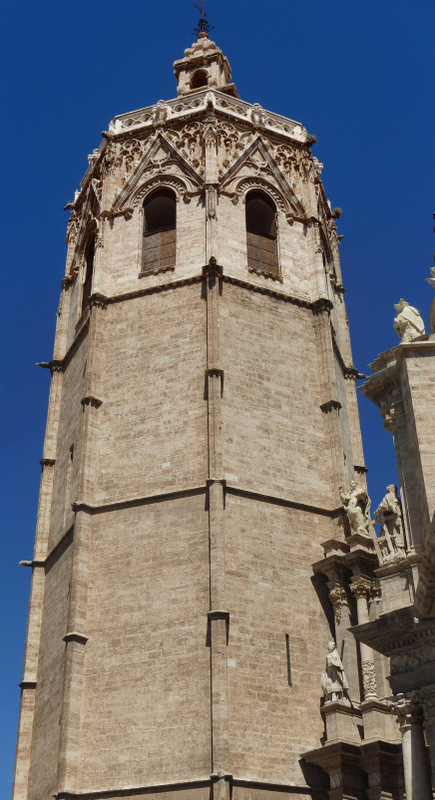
(202, 424)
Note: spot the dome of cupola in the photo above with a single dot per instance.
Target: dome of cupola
(203, 66)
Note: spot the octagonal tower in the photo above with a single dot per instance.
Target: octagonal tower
(202, 418)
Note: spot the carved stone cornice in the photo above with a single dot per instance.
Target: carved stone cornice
(409, 642)
(156, 270)
(380, 387)
(271, 275)
(147, 119)
(417, 656)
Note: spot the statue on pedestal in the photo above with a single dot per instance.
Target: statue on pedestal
(408, 322)
(357, 507)
(333, 678)
(389, 514)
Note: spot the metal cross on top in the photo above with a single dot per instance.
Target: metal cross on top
(203, 24)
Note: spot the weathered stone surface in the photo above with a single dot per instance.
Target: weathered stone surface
(202, 419)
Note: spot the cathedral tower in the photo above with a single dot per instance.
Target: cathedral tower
(202, 432)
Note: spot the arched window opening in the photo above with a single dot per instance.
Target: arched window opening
(159, 231)
(89, 271)
(199, 78)
(261, 233)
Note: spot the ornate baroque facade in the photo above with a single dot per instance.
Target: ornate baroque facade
(202, 530)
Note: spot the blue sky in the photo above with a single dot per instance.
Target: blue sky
(357, 74)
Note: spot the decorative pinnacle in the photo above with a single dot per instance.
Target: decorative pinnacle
(203, 26)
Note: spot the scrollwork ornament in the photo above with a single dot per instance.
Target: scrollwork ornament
(360, 587)
(369, 678)
(407, 710)
(338, 598)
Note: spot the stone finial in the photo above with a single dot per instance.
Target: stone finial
(408, 322)
(333, 678)
(389, 514)
(357, 507)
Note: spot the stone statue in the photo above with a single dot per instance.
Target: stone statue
(357, 507)
(333, 678)
(408, 322)
(389, 514)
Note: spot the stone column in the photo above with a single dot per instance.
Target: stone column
(360, 587)
(415, 763)
(427, 699)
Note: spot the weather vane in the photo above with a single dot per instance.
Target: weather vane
(203, 24)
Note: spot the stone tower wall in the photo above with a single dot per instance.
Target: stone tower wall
(202, 419)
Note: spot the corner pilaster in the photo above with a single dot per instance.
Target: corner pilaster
(218, 616)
